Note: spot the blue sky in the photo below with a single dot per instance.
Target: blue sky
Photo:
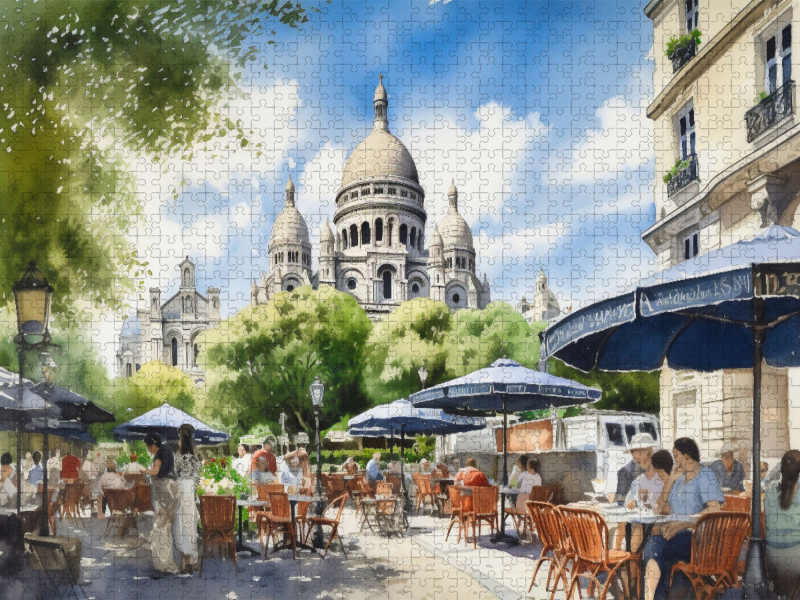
(536, 109)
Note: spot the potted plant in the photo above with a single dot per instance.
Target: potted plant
(679, 166)
(681, 49)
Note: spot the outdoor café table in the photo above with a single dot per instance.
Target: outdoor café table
(283, 544)
(240, 545)
(501, 535)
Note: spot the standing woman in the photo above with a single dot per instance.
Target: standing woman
(166, 496)
(782, 507)
(187, 469)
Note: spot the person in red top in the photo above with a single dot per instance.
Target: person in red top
(470, 476)
(266, 452)
(70, 466)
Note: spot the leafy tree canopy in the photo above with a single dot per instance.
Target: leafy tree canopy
(85, 86)
(262, 361)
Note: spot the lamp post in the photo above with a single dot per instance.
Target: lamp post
(317, 392)
(423, 375)
(32, 297)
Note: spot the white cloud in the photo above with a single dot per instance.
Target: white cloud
(622, 142)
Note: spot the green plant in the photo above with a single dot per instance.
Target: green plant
(762, 96)
(680, 165)
(676, 43)
(217, 476)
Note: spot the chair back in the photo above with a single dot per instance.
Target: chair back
(455, 497)
(384, 488)
(737, 504)
(588, 533)
(717, 540)
(143, 497)
(548, 523)
(364, 488)
(279, 504)
(484, 499)
(217, 513)
(118, 499)
(541, 493)
(338, 486)
(340, 501)
(423, 483)
(72, 494)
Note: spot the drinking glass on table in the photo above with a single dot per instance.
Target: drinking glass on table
(643, 496)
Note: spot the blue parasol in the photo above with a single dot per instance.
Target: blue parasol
(731, 308)
(165, 421)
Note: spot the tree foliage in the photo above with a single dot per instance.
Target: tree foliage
(262, 361)
(84, 87)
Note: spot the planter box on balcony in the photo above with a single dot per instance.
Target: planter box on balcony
(683, 177)
(681, 56)
(772, 109)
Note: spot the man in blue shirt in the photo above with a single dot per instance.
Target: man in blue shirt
(730, 471)
(35, 474)
(374, 469)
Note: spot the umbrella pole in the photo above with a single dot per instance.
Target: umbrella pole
(402, 469)
(44, 530)
(755, 579)
(505, 444)
(19, 435)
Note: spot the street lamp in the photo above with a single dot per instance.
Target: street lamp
(33, 295)
(423, 375)
(317, 392)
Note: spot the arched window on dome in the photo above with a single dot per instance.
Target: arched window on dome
(387, 285)
(344, 239)
(353, 236)
(419, 241)
(378, 230)
(413, 237)
(174, 351)
(389, 228)
(403, 234)
(365, 233)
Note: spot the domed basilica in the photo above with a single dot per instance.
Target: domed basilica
(376, 248)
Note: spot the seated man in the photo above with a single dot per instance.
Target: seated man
(109, 479)
(729, 471)
(470, 476)
(35, 475)
(262, 473)
(527, 480)
(374, 470)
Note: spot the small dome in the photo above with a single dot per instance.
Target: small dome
(326, 233)
(541, 277)
(289, 228)
(455, 231)
(290, 185)
(380, 155)
(437, 237)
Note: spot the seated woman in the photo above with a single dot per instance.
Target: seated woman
(691, 488)
(782, 508)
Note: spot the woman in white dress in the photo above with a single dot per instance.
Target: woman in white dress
(187, 471)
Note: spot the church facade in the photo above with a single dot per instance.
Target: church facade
(167, 331)
(545, 306)
(375, 249)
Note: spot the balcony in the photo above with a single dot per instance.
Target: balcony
(683, 177)
(683, 55)
(772, 109)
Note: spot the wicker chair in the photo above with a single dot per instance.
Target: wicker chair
(120, 504)
(218, 514)
(549, 526)
(425, 494)
(484, 510)
(73, 495)
(384, 488)
(364, 491)
(588, 534)
(338, 506)
(519, 516)
(717, 540)
(455, 511)
(263, 490)
(278, 518)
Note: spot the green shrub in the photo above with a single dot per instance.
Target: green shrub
(676, 43)
(680, 165)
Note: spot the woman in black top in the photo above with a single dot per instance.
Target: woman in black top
(165, 496)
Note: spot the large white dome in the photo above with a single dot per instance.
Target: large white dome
(378, 156)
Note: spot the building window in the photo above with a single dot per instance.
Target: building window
(403, 233)
(174, 350)
(365, 234)
(365, 192)
(413, 196)
(415, 288)
(456, 298)
(692, 13)
(289, 288)
(354, 195)
(378, 190)
(194, 355)
(413, 237)
(392, 191)
(351, 284)
(778, 59)
(344, 238)
(387, 285)
(686, 134)
(378, 230)
(128, 370)
(138, 366)
(691, 245)
(353, 236)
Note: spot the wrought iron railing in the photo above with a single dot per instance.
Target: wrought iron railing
(683, 55)
(683, 177)
(775, 107)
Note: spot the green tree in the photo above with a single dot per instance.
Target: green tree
(262, 361)
(425, 332)
(85, 86)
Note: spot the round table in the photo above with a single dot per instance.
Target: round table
(240, 545)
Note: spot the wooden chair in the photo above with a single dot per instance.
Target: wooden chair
(425, 493)
(364, 491)
(278, 518)
(549, 526)
(588, 535)
(142, 497)
(740, 504)
(717, 540)
(338, 506)
(519, 516)
(56, 554)
(73, 493)
(484, 510)
(384, 488)
(301, 517)
(455, 511)
(218, 515)
(120, 504)
(263, 490)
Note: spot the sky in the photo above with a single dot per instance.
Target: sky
(536, 109)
